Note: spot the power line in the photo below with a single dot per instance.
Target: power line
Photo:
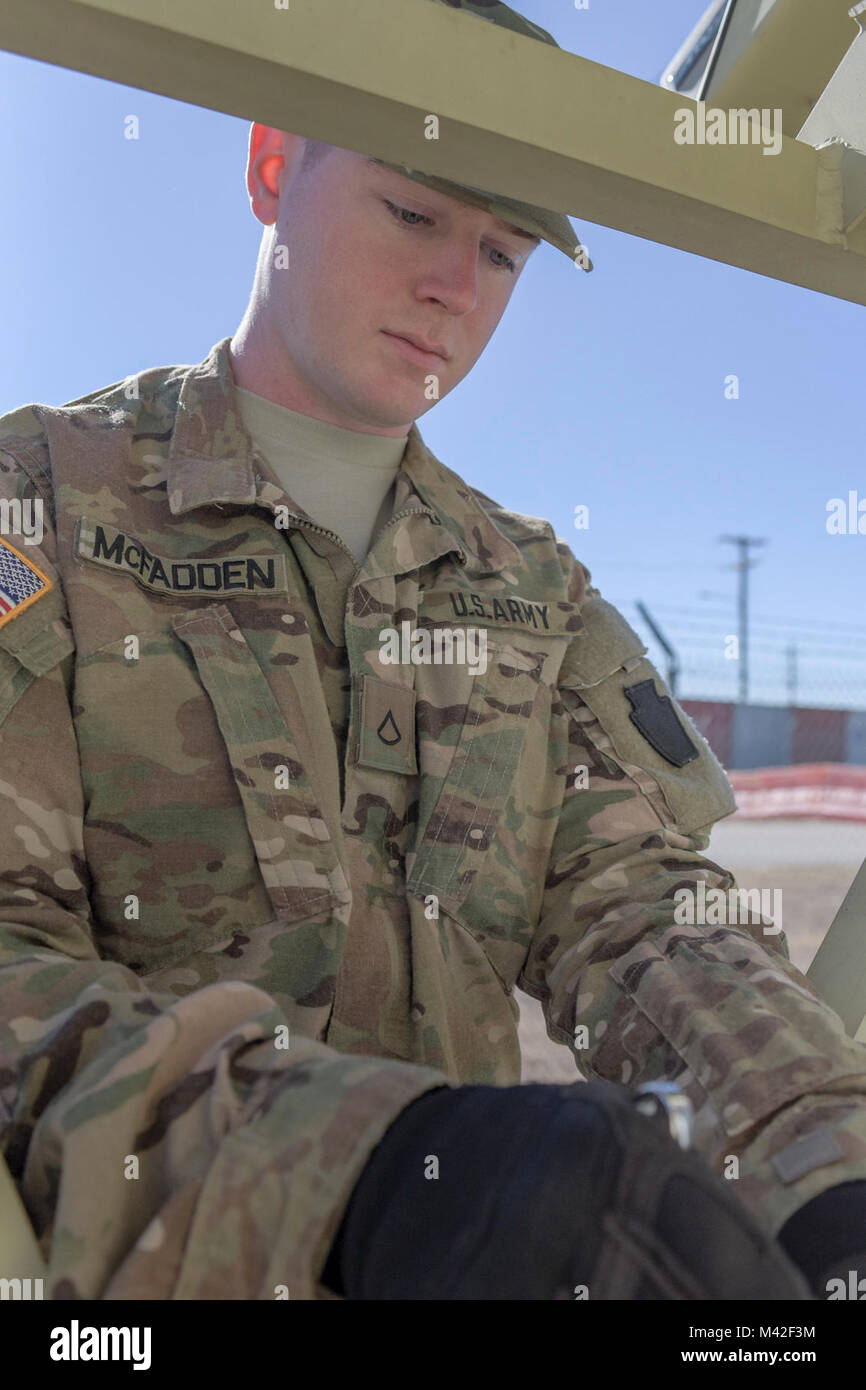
(665, 606)
(780, 624)
(765, 644)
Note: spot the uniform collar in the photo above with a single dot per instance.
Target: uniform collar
(212, 459)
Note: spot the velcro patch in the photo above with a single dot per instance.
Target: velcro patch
(804, 1155)
(657, 720)
(459, 605)
(21, 582)
(387, 732)
(101, 544)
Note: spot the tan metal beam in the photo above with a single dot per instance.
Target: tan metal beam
(20, 1256)
(531, 121)
(838, 971)
(781, 54)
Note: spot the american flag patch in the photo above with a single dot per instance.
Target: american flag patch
(21, 582)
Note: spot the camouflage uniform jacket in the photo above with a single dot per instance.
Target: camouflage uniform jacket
(260, 890)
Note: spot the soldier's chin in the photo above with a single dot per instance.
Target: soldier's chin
(409, 404)
(424, 404)
(401, 400)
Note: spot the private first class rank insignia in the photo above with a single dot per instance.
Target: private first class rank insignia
(21, 582)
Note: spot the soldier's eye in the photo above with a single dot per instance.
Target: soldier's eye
(392, 207)
(509, 264)
(397, 213)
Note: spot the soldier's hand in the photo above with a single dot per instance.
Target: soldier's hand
(547, 1192)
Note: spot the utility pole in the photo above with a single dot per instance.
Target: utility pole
(670, 653)
(792, 674)
(743, 565)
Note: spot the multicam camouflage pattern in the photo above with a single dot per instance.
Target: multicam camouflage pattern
(207, 839)
(550, 226)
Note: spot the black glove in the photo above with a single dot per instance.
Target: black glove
(544, 1191)
(827, 1238)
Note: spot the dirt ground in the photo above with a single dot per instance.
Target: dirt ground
(813, 863)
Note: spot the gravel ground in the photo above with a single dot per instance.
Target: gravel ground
(813, 863)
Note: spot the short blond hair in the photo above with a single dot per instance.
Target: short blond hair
(314, 152)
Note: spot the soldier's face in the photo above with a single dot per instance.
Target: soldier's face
(372, 256)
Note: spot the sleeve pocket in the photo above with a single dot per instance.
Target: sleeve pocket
(753, 1037)
(14, 680)
(607, 670)
(31, 646)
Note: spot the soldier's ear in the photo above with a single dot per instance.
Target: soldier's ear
(270, 152)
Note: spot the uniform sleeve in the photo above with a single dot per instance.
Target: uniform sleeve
(164, 1147)
(638, 990)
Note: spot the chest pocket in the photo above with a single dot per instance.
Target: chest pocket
(296, 855)
(199, 801)
(482, 740)
(468, 751)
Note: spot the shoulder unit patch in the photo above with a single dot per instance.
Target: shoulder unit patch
(21, 582)
(656, 718)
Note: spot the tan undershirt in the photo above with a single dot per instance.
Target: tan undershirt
(343, 479)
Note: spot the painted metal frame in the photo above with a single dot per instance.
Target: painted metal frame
(531, 121)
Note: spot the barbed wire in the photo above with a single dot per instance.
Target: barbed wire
(805, 668)
(794, 626)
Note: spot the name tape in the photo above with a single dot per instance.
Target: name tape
(101, 544)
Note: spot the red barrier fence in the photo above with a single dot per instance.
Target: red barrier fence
(831, 791)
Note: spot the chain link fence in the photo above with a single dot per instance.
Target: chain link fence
(791, 697)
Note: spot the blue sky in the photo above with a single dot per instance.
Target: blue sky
(604, 389)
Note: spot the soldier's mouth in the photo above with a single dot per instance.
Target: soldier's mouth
(413, 352)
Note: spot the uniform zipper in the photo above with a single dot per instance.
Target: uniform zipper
(407, 511)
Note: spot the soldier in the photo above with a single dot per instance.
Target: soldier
(265, 897)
